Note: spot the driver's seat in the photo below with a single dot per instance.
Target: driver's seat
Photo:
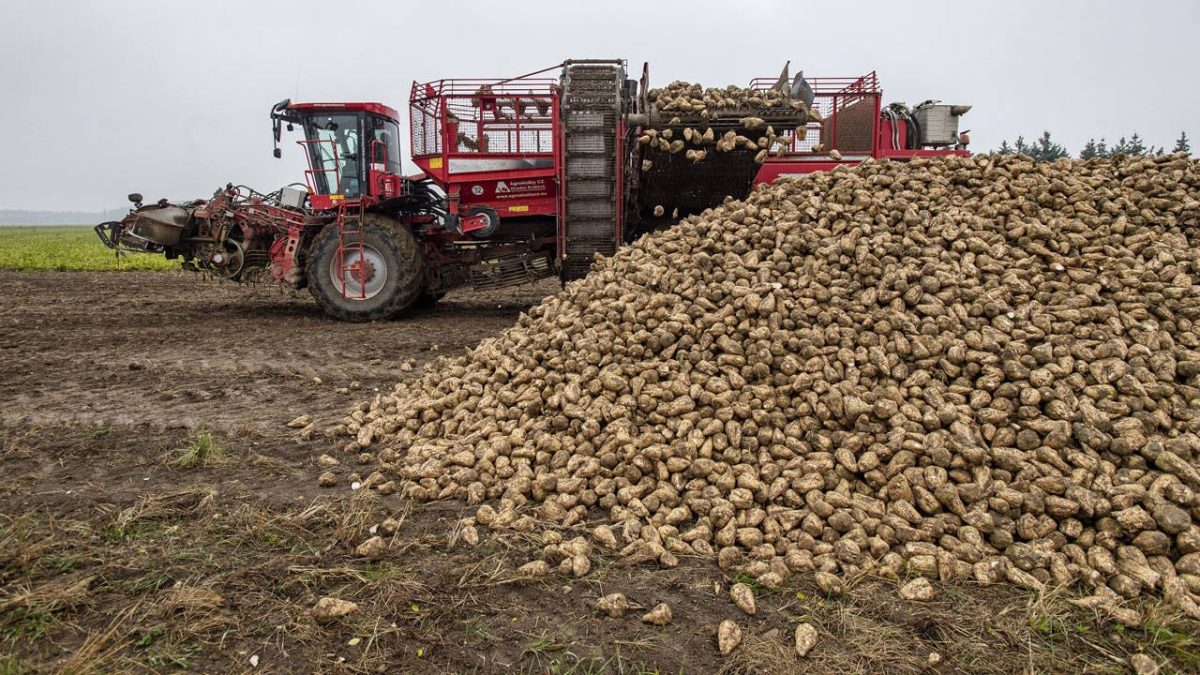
(349, 176)
(381, 150)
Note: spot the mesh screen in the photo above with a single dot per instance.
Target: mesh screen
(425, 137)
(485, 123)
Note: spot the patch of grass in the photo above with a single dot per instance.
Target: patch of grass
(1057, 625)
(151, 581)
(145, 517)
(10, 665)
(275, 539)
(23, 542)
(149, 637)
(27, 624)
(29, 612)
(98, 653)
(541, 647)
(160, 653)
(751, 581)
(356, 517)
(474, 629)
(1179, 645)
(68, 248)
(135, 530)
(383, 571)
(569, 663)
(203, 451)
(117, 534)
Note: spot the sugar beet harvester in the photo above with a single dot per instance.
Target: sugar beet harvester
(521, 179)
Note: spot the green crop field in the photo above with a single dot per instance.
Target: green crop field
(68, 247)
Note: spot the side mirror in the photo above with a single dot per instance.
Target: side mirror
(135, 197)
(278, 153)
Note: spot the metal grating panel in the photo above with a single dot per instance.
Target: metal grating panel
(590, 228)
(592, 208)
(577, 120)
(591, 106)
(583, 188)
(577, 143)
(588, 167)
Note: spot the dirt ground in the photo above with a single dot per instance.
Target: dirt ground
(157, 515)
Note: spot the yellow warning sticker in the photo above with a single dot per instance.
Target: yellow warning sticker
(334, 198)
(518, 209)
(435, 163)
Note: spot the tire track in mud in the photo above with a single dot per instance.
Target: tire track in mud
(173, 350)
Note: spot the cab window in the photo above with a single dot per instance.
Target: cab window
(385, 145)
(334, 153)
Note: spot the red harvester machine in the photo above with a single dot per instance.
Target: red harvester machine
(521, 179)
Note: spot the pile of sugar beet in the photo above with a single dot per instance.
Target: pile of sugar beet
(977, 368)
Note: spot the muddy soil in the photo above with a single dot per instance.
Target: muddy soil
(172, 350)
(157, 515)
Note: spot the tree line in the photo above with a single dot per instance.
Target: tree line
(1044, 149)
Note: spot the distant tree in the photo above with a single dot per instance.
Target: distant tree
(1017, 147)
(1182, 144)
(1135, 147)
(1046, 150)
(1140, 149)
(1042, 150)
(1097, 149)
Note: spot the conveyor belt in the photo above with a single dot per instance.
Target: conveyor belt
(675, 182)
(591, 105)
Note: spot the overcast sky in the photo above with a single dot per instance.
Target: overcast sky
(171, 98)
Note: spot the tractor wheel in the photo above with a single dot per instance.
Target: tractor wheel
(375, 280)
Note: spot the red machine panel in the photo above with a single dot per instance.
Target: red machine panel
(489, 142)
(846, 119)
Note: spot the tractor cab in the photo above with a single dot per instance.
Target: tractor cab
(353, 150)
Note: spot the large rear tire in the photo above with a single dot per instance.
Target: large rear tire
(377, 280)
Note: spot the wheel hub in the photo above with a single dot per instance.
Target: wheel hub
(360, 273)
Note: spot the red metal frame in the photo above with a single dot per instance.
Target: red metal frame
(510, 132)
(322, 202)
(360, 269)
(362, 106)
(836, 99)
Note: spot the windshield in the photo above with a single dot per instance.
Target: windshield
(333, 150)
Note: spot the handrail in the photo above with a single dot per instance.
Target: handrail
(311, 172)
